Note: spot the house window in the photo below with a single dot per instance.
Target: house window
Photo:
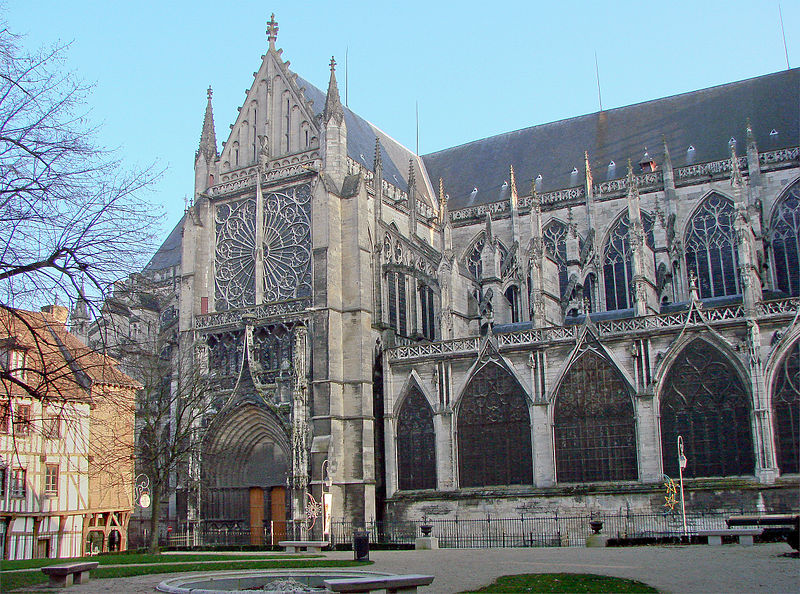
(51, 426)
(22, 419)
(18, 483)
(3, 473)
(5, 418)
(51, 479)
(14, 361)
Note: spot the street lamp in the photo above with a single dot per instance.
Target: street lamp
(141, 491)
(682, 461)
(326, 499)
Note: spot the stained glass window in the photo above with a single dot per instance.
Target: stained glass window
(474, 263)
(428, 327)
(225, 353)
(711, 248)
(416, 455)
(786, 412)
(617, 269)
(593, 424)
(286, 249)
(786, 241)
(494, 431)
(287, 244)
(554, 235)
(705, 401)
(235, 254)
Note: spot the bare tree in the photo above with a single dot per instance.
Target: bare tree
(170, 409)
(69, 211)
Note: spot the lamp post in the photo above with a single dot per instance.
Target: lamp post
(326, 499)
(682, 461)
(141, 491)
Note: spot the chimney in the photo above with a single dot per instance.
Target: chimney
(59, 312)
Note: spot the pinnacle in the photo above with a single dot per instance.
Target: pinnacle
(333, 105)
(208, 138)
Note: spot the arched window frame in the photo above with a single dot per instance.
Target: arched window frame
(495, 450)
(785, 241)
(715, 421)
(554, 237)
(786, 411)
(617, 267)
(416, 442)
(514, 300)
(594, 431)
(710, 247)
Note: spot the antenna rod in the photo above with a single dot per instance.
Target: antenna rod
(346, 51)
(417, 107)
(783, 32)
(597, 74)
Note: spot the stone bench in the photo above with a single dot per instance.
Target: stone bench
(788, 525)
(79, 572)
(393, 584)
(744, 536)
(295, 546)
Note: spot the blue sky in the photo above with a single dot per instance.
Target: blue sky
(476, 68)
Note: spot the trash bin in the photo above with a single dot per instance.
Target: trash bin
(361, 545)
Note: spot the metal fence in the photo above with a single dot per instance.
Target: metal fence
(522, 531)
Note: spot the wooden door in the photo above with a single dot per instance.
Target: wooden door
(256, 516)
(278, 513)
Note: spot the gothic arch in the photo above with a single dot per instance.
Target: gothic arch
(416, 442)
(588, 341)
(617, 268)
(554, 236)
(784, 233)
(710, 246)
(413, 382)
(785, 406)
(594, 426)
(705, 399)
(494, 430)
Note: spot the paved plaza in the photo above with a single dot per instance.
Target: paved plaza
(729, 568)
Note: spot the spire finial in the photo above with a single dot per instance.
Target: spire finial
(333, 105)
(208, 138)
(272, 31)
(333, 64)
(210, 92)
(378, 161)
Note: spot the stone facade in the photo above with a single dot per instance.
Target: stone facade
(322, 290)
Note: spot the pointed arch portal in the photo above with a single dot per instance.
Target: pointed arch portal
(247, 451)
(593, 424)
(705, 401)
(494, 431)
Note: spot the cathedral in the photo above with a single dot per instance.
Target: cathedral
(524, 324)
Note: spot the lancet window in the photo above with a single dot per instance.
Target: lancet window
(494, 431)
(554, 236)
(398, 307)
(514, 303)
(428, 314)
(704, 400)
(617, 269)
(786, 412)
(416, 454)
(593, 424)
(474, 263)
(280, 268)
(711, 248)
(786, 242)
(225, 353)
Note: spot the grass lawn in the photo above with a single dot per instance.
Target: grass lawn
(169, 564)
(564, 582)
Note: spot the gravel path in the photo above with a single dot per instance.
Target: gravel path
(699, 568)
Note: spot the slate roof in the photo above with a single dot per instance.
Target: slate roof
(705, 119)
(169, 254)
(361, 136)
(58, 365)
